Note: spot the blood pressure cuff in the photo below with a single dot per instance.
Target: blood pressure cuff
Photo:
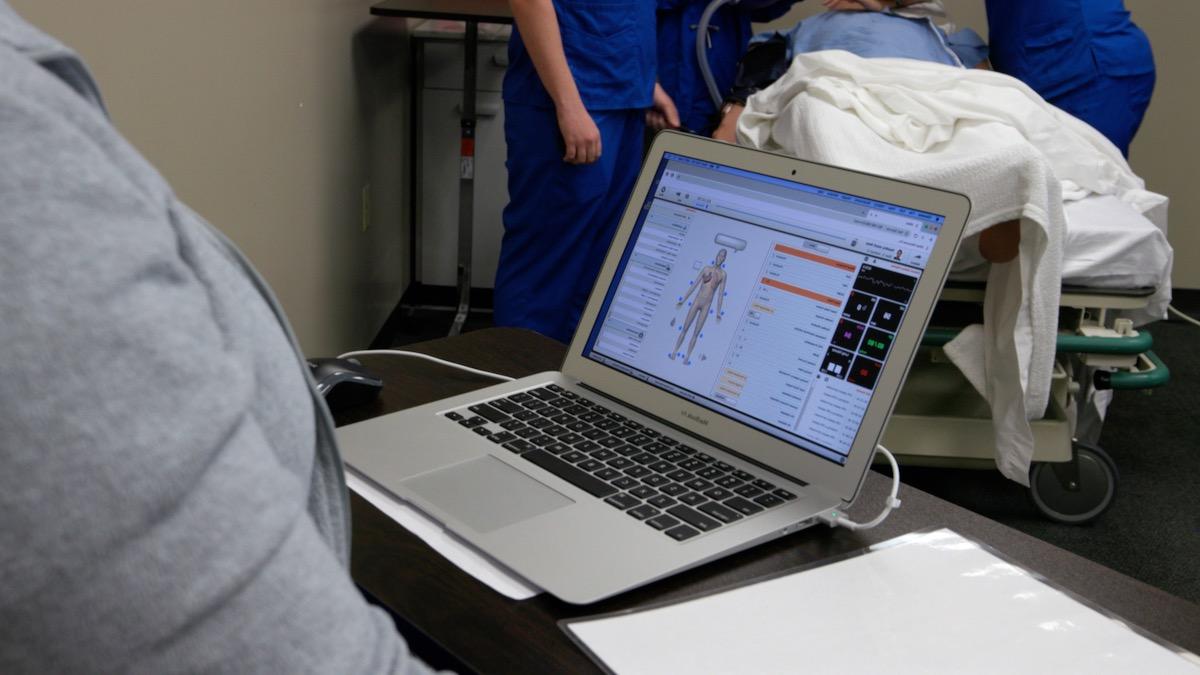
(764, 62)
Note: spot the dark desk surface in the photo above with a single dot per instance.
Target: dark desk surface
(494, 634)
(485, 11)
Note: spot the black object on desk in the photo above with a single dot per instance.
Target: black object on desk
(490, 633)
(472, 13)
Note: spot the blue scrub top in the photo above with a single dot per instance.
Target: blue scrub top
(1060, 46)
(729, 33)
(609, 45)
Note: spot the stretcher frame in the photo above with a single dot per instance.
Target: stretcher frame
(940, 420)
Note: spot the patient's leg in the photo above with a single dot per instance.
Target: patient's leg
(1001, 242)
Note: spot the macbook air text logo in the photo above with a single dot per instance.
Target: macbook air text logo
(694, 418)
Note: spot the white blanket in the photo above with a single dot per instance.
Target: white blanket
(985, 135)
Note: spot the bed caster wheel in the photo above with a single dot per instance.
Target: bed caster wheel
(1077, 492)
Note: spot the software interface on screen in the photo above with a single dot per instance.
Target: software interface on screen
(772, 302)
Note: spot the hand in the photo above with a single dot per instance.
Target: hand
(581, 136)
(662, 113)
(727, 129)
(858, 5)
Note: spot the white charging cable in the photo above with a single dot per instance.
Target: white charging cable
(1180, 315)
(418, 355)
(836, 519)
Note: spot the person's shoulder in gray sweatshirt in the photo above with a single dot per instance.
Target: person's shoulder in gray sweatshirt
(170, 495)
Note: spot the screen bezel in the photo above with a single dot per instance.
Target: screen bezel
(843, 480)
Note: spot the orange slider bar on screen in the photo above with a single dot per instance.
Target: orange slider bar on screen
(775, 283)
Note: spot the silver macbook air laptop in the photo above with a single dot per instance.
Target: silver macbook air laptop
(731, 375)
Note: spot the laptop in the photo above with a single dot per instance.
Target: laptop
(729, 380)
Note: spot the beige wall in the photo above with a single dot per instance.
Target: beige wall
(1168, 143)
(269, 118)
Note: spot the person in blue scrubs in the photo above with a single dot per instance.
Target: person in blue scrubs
(1084, 56)
(580, 80)
(728, 33)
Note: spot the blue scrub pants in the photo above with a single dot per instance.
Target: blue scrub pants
(560, 217)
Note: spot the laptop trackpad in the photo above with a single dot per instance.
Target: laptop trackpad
(486, 494)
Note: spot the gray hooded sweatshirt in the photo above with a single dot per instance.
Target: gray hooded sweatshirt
(171, 497)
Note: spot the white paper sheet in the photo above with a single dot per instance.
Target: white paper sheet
(468, 559)
(928, 603)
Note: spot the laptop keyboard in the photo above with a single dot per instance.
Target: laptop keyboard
(666, 484)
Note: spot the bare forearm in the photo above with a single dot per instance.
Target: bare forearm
(539, 30)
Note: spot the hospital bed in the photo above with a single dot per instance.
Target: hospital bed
(1116, 277)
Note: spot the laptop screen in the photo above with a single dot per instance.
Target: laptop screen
(768, 301)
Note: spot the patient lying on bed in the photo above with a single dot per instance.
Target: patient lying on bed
(911, 110)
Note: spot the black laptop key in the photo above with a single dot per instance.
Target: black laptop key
(576, 409)
(651, 433)
(535, 404)
(673, 489)
(589, 446)
(605, 424)
(656, 480)
(570, 438)
(728, 481)
(637, 471)
(561, 402)
(698, 484)
(643, 512)
(685, 449)
(680, 476)
(644, 458)
(617, 416)
(542, 441)
(723, 466)
(718, 494)
(783, 494)
(623, 501)
(638, 439)
(579, 427)
(562, 418)
(573, 456)
(607, 474)
(544, 393)
(502, 437)
(539, 422)
(453, 416)
(477, 420)
(557, 448)
(520, 446)
(580, 479)
(655, 447)
(621, 432)
(601, 454)
(661, 501)
(692, 498)
(681, 532)
(694, 518)
(748, 491)
(568, 394)
(612, 442)
(721, 513)
(527, 432)
(709, 472)
(768, 501)
(742, 475)
(662, 522)
(667, 440)
(620, 463)
(519, 397)
(591, 464)
(624, 482)
(633, 425)
(762, 484)
(691, 464)
(555, 388)
(626, 450)
(743, 506)
(703, 457)
(482, 431)
(526, 416)
(548, 412)
(512, 425)
(594, 434)
(643, 492)
(555, 430)
(662, 467)
(506, 406)
(590, 416)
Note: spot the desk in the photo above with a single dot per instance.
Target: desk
(495, 635)
(472, 13)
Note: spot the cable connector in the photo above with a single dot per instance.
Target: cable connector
(837, 519)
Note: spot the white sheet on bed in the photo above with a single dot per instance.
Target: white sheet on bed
(986, 135)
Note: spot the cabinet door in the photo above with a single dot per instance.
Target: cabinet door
(439, 185)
